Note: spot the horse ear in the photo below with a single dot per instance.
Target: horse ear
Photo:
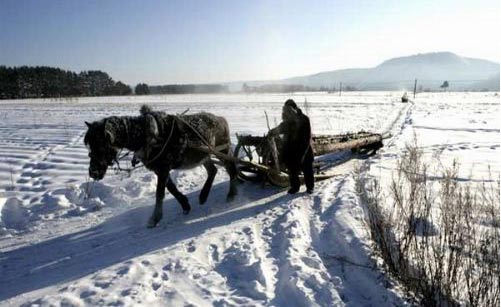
(88, 124)
(109, 133)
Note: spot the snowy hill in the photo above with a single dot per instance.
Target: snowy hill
(431, 70)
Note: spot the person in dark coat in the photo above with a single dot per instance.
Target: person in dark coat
(296, 152)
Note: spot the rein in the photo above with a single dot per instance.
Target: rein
(119, 169)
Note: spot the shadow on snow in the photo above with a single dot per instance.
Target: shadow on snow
(72, 256)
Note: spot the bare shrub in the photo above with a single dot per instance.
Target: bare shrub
(439, 236)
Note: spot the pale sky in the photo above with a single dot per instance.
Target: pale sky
(163, 42)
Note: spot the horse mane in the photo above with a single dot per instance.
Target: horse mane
(145, 109)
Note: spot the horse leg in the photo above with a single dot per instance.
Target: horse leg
(183, 200)
(211, 173)
(231, 169)
(160, 194)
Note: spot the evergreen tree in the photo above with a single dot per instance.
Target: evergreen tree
(41, 81)
(142, 89)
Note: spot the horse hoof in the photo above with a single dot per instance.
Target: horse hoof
(202, 200)
(151, 224)
(186, 211)
(230, 198)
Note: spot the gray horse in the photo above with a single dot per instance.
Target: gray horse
(162, 142)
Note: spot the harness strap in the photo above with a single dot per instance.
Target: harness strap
(165, 144)
(126, 124)
(209, 146)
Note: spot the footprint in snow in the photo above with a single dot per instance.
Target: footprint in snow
(214, 252)
(247, 230)
(126, 292)
(155, 286)
(191, 247)
(102, 284)
(123, 271)
(87, 293)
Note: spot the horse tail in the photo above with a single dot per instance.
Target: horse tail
(226, 128)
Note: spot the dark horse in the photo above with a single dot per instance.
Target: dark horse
(162, 142)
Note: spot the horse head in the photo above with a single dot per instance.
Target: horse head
(99, 140)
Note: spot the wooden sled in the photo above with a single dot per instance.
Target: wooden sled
(257, 157)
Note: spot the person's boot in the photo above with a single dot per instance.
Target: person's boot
(293, 190)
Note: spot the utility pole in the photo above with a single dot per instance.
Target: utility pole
(415, 84)
(340, 87)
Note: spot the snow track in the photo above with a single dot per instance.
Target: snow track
(66, 242)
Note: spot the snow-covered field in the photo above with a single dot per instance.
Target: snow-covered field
(60, 247)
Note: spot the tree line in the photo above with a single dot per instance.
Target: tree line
(188, 89)
(45, 82)
(49, 82)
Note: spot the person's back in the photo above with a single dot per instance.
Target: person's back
(296, 152)
(297, 135)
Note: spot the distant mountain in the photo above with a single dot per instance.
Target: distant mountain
(431, 70)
